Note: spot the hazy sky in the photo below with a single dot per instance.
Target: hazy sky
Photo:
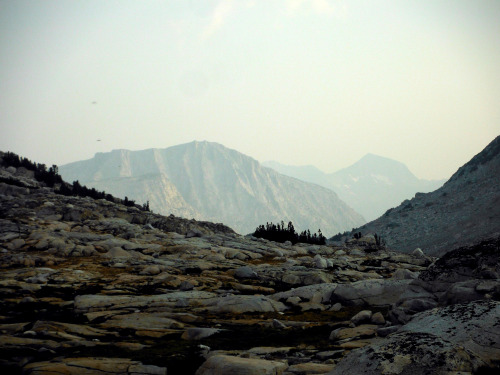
(319, 82)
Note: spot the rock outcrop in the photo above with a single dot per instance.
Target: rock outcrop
(461, 338)
(463, 212)
(94, 286)
(463, 275)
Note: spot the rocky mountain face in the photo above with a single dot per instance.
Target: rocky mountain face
(464, 211)
(93, 286)
(207, 181)
(371, 185)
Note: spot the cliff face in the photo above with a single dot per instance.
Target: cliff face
(208, 181)
(464, 211)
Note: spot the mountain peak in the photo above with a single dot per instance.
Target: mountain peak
(217, 183)
(371, 164)
(463, 211)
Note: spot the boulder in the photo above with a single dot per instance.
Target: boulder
(378, 318)
(372, 292)
(404, 274)
(245, 272)
(361, 317)
(458, 338)
(418, 253)
(319, 293)
(244, 304)
(228, 365)
(362, 331)
(320, 262)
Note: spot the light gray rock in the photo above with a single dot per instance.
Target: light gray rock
(362, 317)
(293, 300)
(278, 325)
(319, 293)
(404, 274)
(99, 302)
(244, 304)
(362, 331)
(16, 244)
(245, 272)
(228, 365)
(456, 339)
(117, 253)
(320, 262)
(336, 307)
(372, 292)
(153, 269)
(418, 253)
(186, 285)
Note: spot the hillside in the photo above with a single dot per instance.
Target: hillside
(370, 186)
(95, 286)
(208, 181)
(464, 211)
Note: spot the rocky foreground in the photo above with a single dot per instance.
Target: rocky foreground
(90, 286)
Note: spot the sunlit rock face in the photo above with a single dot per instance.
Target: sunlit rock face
(208, 181)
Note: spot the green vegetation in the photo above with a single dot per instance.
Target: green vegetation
(50, 177)
(338, 237)
(280, 233)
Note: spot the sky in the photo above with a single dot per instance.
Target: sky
(301, 82)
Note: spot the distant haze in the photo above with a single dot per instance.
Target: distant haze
(302, 82)
(371, 186)
(207, 181)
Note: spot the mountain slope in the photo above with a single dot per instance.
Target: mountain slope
(464, 211)
(371, 185)
(208, 181)
(308, 173)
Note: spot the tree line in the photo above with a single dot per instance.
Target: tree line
(51, 177)
(280, 233)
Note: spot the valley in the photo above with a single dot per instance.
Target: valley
(104, 286)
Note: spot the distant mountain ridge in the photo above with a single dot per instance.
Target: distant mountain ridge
(371, 185)
(207, 181)
(465, 210)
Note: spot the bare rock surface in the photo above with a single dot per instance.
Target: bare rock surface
(229, 365)
(453, 339)
(95, 286)
(465, 210)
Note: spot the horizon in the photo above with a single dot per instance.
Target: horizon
(262, 163)
(300, 82)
